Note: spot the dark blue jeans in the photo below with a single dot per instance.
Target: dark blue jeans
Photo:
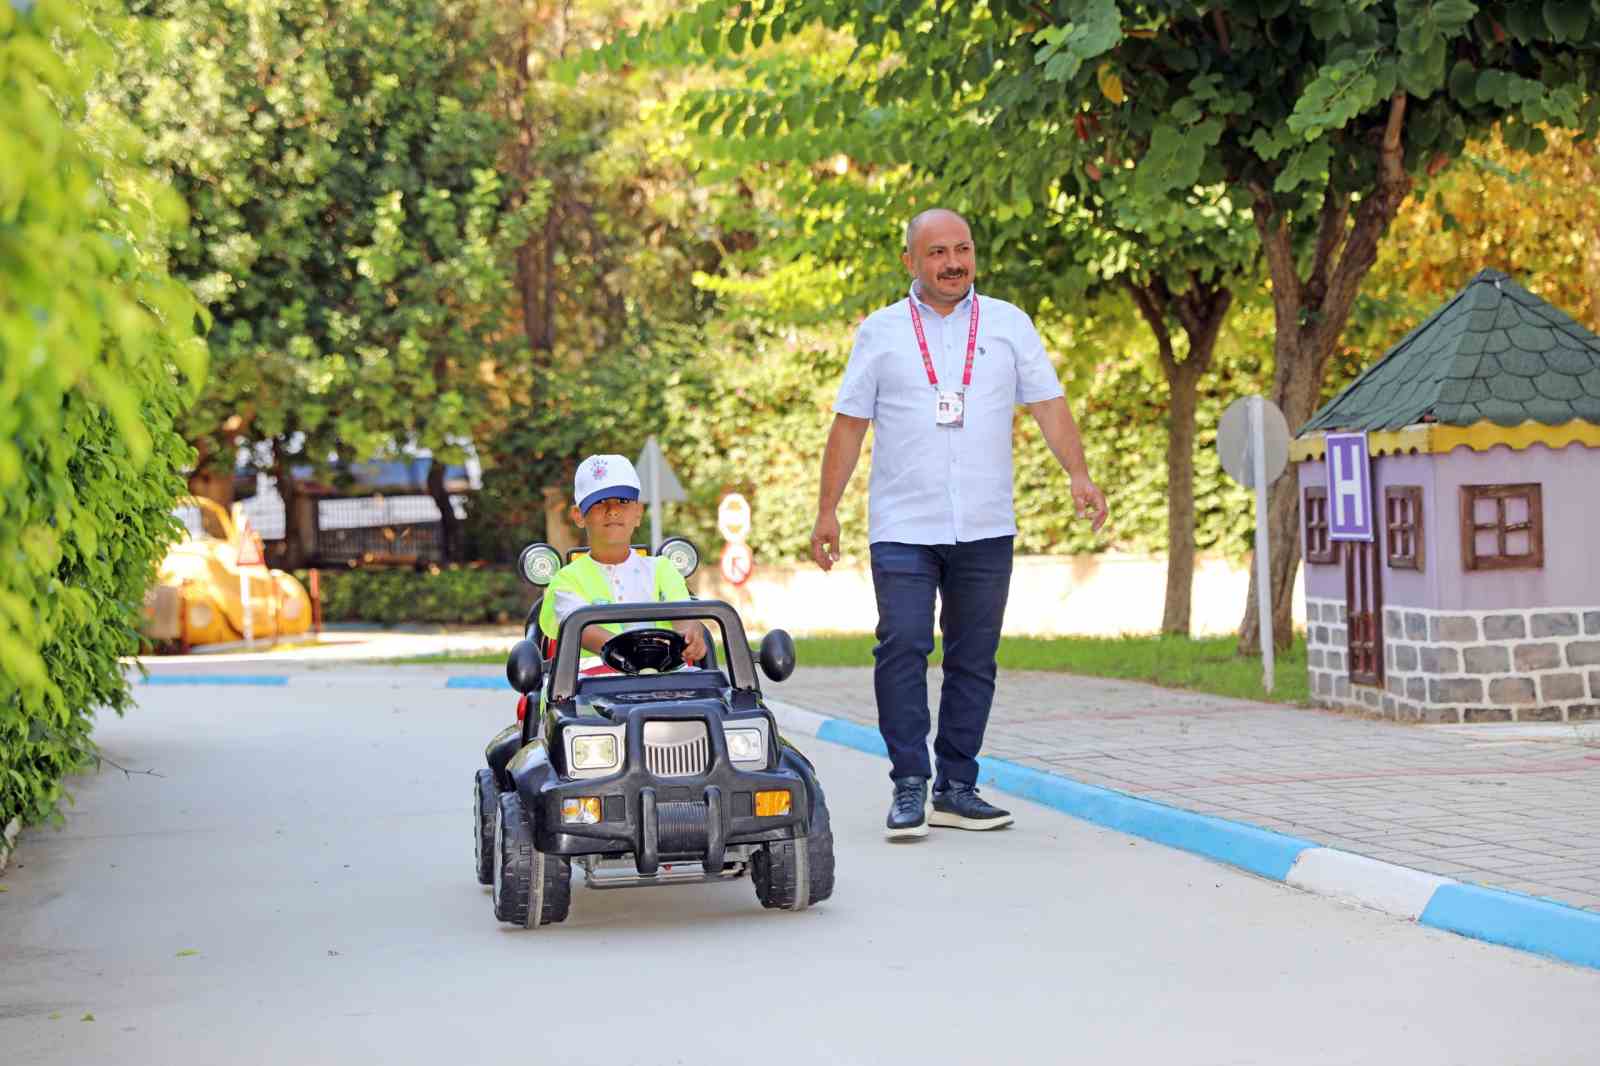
(972, 580)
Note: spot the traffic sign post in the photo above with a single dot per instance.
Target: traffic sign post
(737, 562)
(733, 522)
(733, 517)
(660, 484)
(250, 555)
(1253, 444)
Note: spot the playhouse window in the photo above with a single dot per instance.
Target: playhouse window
(1402, 514)
(1314, 512)
(1502, 527)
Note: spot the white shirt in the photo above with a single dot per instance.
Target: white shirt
(931, 484)
(632, 581)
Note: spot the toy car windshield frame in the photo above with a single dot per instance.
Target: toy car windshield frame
(564, 674)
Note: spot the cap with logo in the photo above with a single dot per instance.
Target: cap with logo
(604, 477)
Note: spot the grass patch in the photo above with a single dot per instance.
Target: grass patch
(1204, 664)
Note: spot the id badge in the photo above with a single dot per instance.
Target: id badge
(949, 408)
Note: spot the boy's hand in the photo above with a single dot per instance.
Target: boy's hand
(695, 634)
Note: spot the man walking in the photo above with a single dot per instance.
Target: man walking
(939, 375)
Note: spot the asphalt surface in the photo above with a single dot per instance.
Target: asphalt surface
(296, 886)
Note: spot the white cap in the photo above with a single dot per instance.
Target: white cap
(604, 477)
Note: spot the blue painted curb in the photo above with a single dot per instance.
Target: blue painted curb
(1539, 925)
(262, 680)
(853, 735)
(1510, 919)
(468, 681)
(1249, 847)
(1261, 851)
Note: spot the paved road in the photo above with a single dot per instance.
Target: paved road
(310, 847)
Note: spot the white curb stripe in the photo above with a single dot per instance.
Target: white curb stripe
(1397, 890)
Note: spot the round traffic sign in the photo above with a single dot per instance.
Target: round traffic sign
(733, 517)
(1234, 441)
(737, 562)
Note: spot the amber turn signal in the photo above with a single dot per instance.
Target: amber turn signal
(582, 810)
(771, 804)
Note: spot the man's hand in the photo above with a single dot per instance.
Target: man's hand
(695, 634)
(825, 540)
(1089, 500)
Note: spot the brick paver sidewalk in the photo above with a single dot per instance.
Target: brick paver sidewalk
(1516, 807)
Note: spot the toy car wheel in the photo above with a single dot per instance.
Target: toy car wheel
(530, 888)
(794, 874)
(485, 808)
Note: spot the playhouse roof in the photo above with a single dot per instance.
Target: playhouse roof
(1494, 352)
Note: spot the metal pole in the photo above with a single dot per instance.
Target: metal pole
(244, 604)
(655, 500)
(1258, 449)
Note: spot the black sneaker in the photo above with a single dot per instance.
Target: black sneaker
(959, 806)
(908, 814)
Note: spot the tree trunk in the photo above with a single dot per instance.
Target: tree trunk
(1183, 389)
(213, 484)
(296, 551)
(1201, 311)
(449, 524)
(1309, 315)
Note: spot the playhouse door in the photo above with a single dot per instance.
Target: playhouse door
(1364, 606)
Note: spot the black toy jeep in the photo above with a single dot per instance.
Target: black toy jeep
(657, 774)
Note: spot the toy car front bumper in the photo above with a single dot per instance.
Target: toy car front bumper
(676, 819)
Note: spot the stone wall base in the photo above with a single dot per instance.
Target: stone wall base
(1538, 665)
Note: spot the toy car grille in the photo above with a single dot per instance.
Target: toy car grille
(676, 749)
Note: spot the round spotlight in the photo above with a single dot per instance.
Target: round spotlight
(538, 564)
(682, 554)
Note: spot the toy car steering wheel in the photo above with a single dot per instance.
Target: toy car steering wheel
(645, 651)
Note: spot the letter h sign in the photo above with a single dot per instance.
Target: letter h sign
(1349, 487)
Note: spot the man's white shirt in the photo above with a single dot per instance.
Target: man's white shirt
(931, 484)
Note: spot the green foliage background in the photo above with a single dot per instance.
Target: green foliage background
(456, 594)
(98, 358)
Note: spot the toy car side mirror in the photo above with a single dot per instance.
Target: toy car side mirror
(777, 655)
(525, 669)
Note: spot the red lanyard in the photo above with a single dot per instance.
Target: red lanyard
(922, 342)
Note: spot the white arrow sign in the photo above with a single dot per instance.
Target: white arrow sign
(658, 485)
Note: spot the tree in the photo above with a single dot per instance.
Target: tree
(1531, 215)
(856, 155)
(351, 231)
(1319, 115)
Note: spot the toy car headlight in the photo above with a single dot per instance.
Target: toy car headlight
(538, 564)
(682, 554)
(746, 745)
(596, 751)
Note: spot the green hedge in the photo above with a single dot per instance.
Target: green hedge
(455, 595)
(98, 357)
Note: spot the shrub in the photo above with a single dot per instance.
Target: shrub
(455, 595)
(98, 357)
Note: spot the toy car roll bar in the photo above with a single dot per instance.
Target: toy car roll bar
(564, 679)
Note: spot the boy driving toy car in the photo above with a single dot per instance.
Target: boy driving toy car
(606, 506)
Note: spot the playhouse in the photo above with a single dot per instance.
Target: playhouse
(1477, 596)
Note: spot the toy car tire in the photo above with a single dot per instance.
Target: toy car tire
(485, 808)
(794, 874)
(531, 888)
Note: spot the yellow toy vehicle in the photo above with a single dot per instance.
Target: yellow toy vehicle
(198, 599)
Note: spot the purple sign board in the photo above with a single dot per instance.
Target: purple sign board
(1349, 487)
